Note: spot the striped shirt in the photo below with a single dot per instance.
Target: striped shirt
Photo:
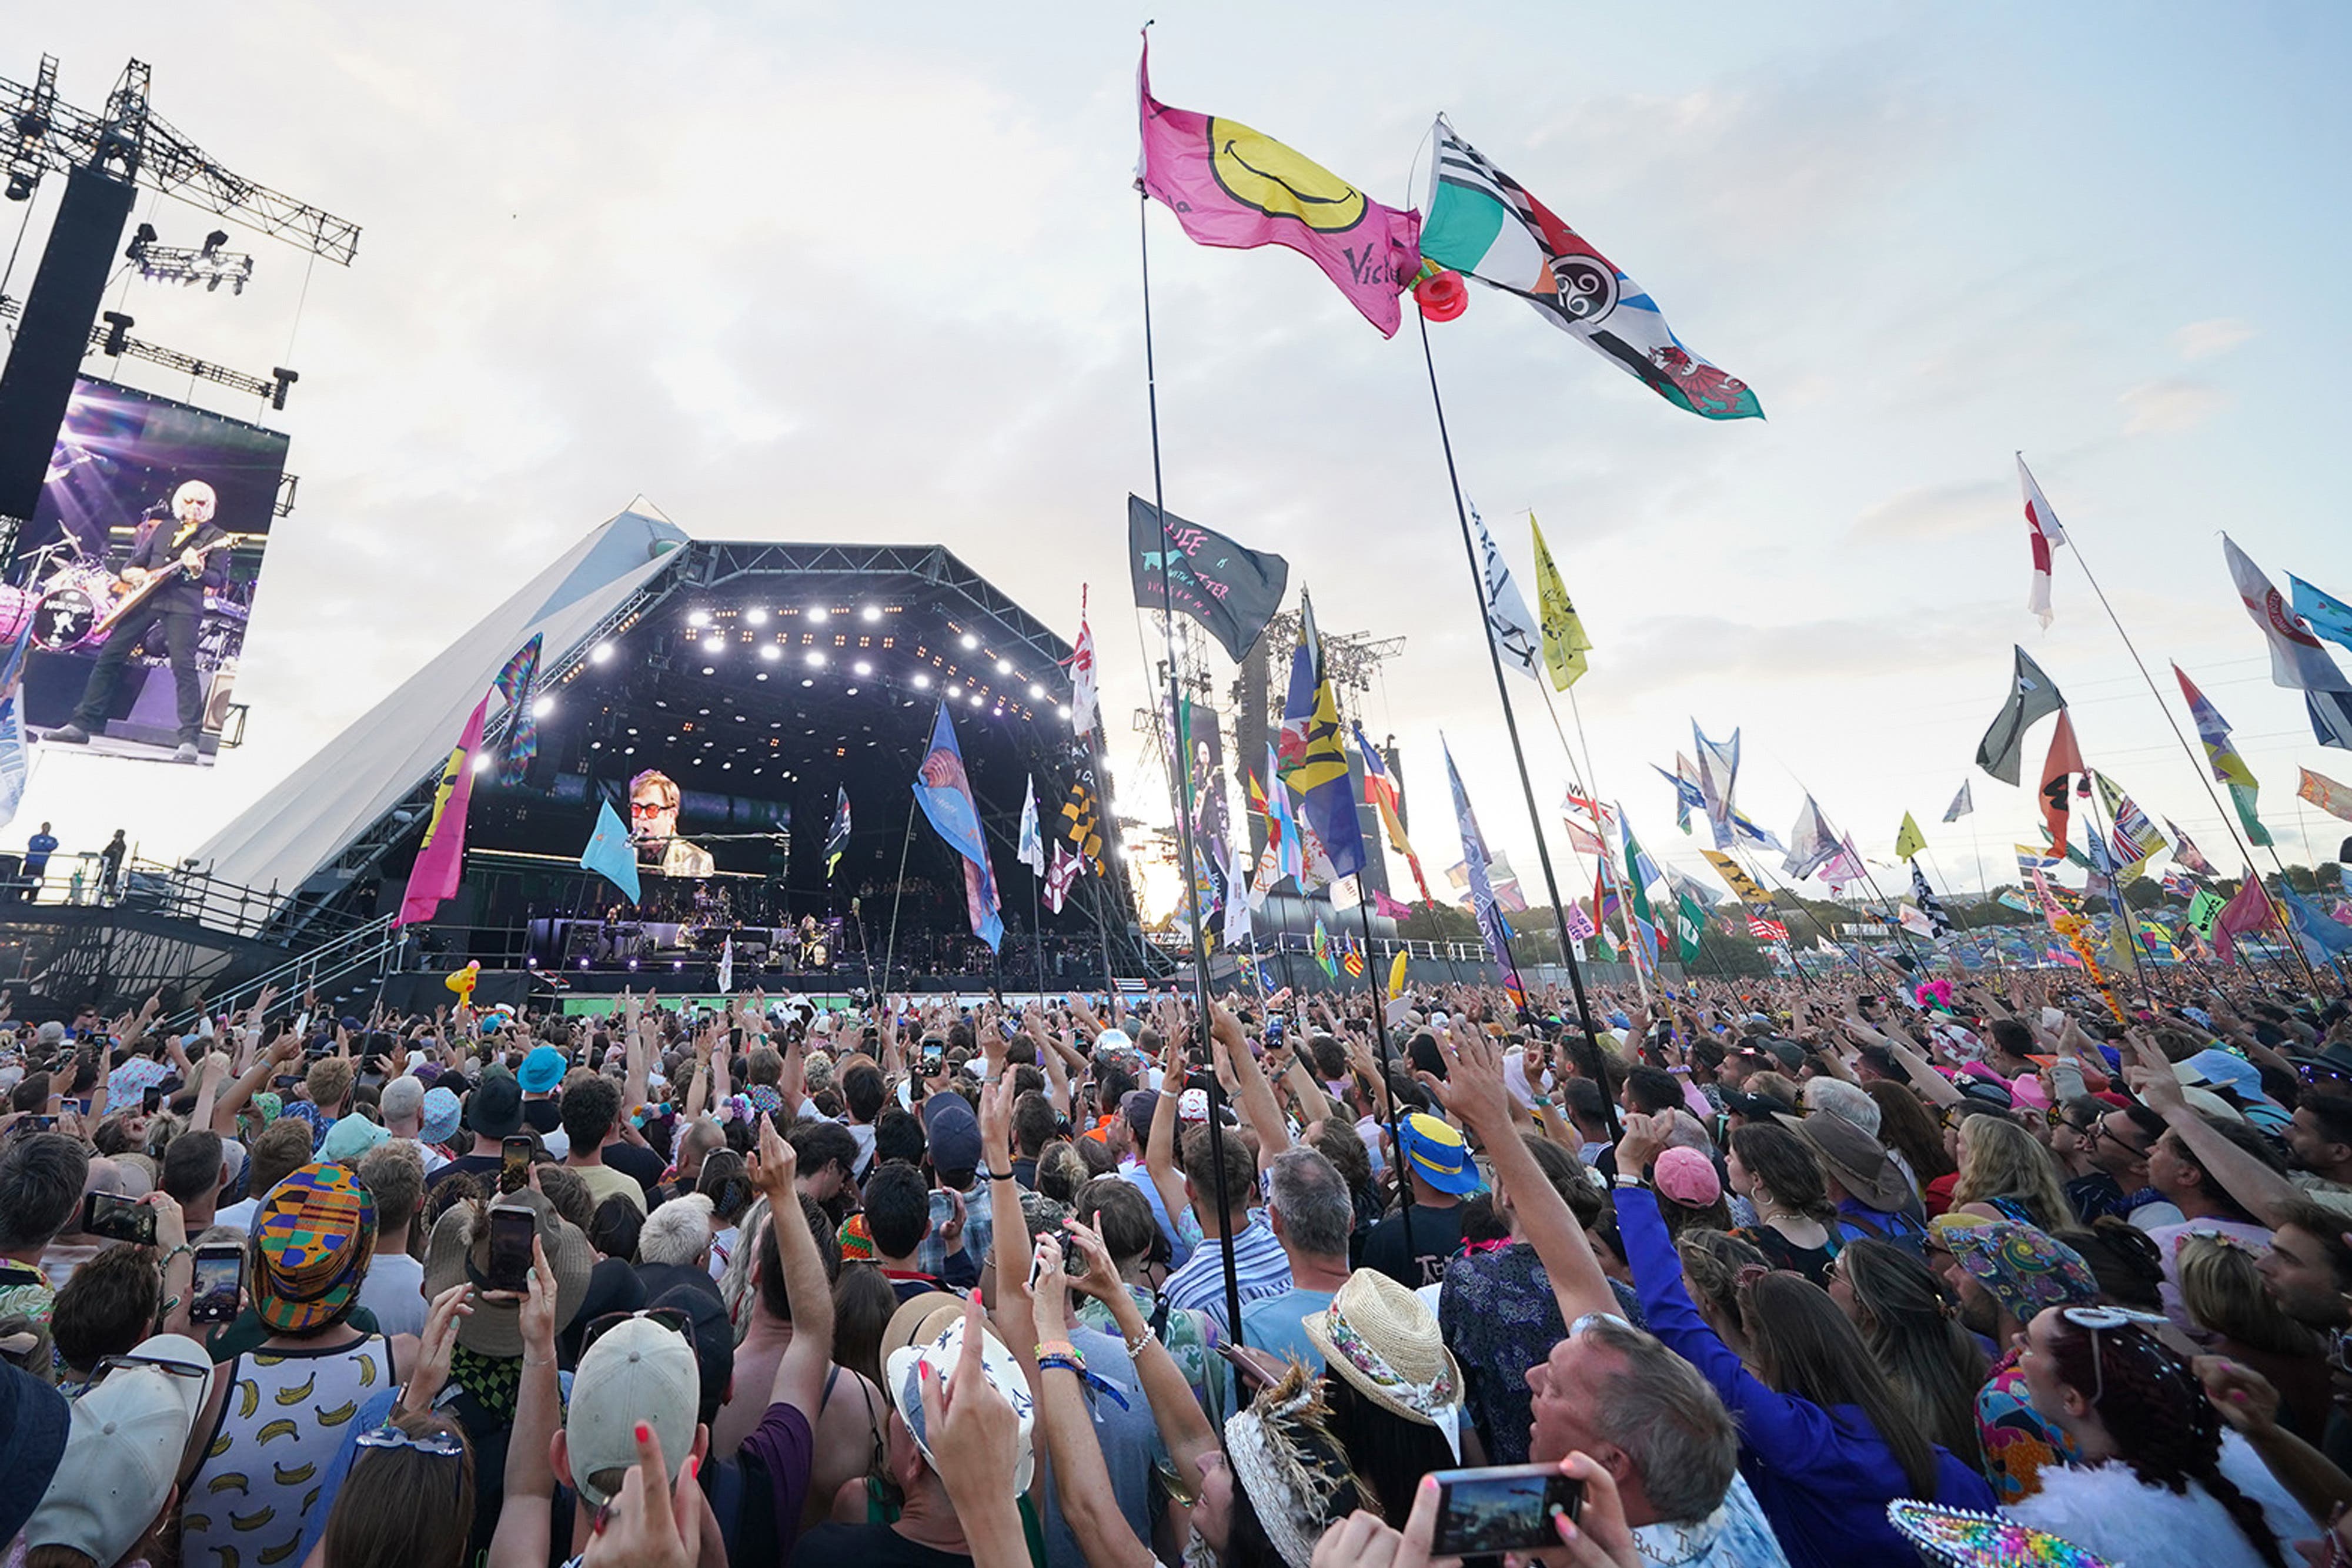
(1260, 1266)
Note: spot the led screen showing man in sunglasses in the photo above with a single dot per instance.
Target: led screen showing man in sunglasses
(652, 825)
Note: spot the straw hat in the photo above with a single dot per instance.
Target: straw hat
(1384, 1339)
(454, 1256)
(919, 1320)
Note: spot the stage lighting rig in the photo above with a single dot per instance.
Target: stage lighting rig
(211, 266)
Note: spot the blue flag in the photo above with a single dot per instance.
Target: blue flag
(1314, 761)
(2329, 616)
(609, 853)
(945, 795)
(1482, 888)
(2320, 935)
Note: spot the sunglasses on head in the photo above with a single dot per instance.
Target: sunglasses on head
(2094, 1321)
(151, 1363)
(440, 1445)
(677, 1320)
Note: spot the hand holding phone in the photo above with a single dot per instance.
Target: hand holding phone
(216, 1287)
(1502, 1508)
(514, 1162)
(118, 1219)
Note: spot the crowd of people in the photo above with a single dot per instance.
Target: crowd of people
(1754, 1265)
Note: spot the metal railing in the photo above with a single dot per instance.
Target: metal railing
(365, 951)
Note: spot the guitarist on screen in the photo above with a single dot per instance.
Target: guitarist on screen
(173, 565)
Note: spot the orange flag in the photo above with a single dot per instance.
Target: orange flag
(2065, 759)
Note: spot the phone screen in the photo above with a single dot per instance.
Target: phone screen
(1502, 1508)
(151, 1099)
(933, 1051)
(118, 1219)
(514, 1163)
(218, 1279)
(511, 1231)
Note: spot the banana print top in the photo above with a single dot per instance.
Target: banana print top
(284, 1416)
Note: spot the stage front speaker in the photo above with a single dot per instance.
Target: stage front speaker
(54, 332)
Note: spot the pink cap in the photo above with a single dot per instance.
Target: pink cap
(1687, 1176)
(2028, 1091)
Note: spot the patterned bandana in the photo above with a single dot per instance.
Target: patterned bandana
(1437, 1401)
(494, 1381)
(314, 1238)
(856, 1242)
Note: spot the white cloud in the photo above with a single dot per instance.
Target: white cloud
(2170, 407)
(2212, 340)
(1938, 511)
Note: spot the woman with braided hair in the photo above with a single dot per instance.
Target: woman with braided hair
(2159, 1477)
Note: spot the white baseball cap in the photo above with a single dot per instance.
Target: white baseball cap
(122, 1452)
(640, 1371)
(901, 1381)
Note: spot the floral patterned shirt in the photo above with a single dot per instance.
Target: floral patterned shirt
(2017, 1443)
(1498, 1316)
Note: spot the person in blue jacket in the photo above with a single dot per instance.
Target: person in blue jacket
(1822, 1443)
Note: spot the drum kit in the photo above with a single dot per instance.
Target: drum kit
(78, 602)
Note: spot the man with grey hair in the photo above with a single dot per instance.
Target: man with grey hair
(1839, 1098)
(678, 1234)
(401, 1103)
(1651, 1419)
(1312, 1213)
(41, 1180)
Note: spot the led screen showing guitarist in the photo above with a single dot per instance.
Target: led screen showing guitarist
(167, 577)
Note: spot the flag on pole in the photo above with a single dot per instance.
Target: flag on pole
(2031, 695)
(609, 853)
(1320, 947)
(2249, 913)
(1812, 844)
(441, 858)
(2042, 523)
(1687, 794)
(1080, 827)
(726, 977)
(16, 765)
(2065, 759)
(1083, 702)
(836, 835)
(1564, 641)
(1381, 792)
(1507, 621)
(2328, 616)
(1062, 873)
(2326, 794)
(1482, 893)
(1719, 773)
(1940, 924)
(1910, 841)
(2203, 910)
(2297, 661)
(1483, 224)
(519, 685)
(1690, 926)
(1384, 904)
(1313, 762)
(1352, 960)
(1579, 925)
(2192, 859)
(1230, 588)
(2132, 838)
(2221, 756)
(1237, 189)
(1961, 805)
(1237, 924)
(1765, 930)
(2322, 937)
(1032, 852)
(1844, 867)
(1743, 886)
(945, 795)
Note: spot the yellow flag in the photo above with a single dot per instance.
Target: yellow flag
(1743, 886)
(1396, 976)
(1564, 641)
(1910, 841)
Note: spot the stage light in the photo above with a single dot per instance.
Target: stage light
(761, 676)
(1064, 711)
(709, 671)
(977, 699)
(632, 729)
(814, 660)
(699, 618)
(481, 761)
(809, 682)
(818, 615)
(862, 667)
(583, 962)
(853, 691)
(923, 682)
(543, 707)
(1036, 691)
(629, 750)
(770, 653)
(602, 654)
(871, 612)
(755, 617)
(969, 641)
(714, 644)
(677, 963)
(633, 963)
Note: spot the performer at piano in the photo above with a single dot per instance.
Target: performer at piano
(190, 558)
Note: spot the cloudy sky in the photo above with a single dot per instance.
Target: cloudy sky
(825, 272)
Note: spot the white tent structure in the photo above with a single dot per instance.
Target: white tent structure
(289, 839)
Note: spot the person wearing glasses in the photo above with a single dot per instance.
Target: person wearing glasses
(653, 824)
(115, 1488)
(408, 1500)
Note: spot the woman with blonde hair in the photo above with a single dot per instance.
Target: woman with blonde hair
(2222, 1290)
(2006, 1172)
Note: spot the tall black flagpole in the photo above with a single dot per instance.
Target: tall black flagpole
(1589, 1059)
(1180, 786)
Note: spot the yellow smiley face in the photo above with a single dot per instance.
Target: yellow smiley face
(1259, 172)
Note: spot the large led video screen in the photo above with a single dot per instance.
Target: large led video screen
(137, 571)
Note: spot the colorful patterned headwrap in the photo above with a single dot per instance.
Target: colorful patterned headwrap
(856, 1242)
(311, 1243)
(2023, 1269)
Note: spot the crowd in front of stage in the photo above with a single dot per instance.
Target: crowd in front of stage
(1761, 1273)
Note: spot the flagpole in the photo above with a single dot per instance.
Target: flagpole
(1592, 793)
(1590, 1065)
(2203, 770)
(1380, 1033)
(2117, 909)
(897, 892)
(1180, 786)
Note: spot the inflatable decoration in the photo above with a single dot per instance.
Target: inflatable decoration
(463, 981)
(1442, 295)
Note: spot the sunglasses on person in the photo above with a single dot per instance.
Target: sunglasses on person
(646, 808)
(150, 1364)
(440, 1445)
(677, 1320)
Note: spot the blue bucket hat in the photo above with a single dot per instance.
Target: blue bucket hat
(542, 1070)
(1438, 1154)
